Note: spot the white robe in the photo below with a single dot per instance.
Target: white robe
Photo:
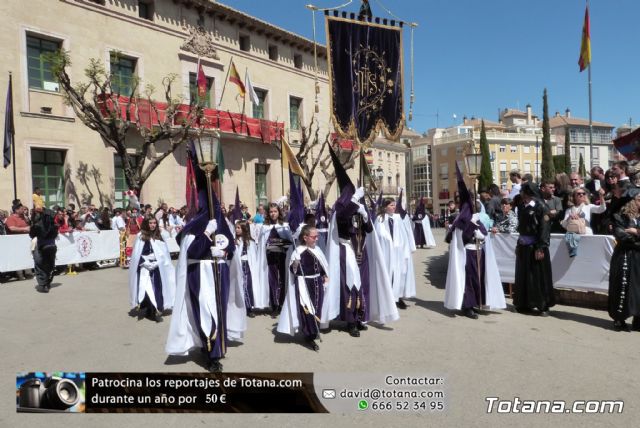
(183, 332)
(397, 251)
(455, 284)
(288, 321)
(260, 289)
(382, 308)
(139, 284)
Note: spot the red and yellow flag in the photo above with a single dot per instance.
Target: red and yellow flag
(234, 77)
(585, 46)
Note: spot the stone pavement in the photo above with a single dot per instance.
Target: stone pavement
(83, 325)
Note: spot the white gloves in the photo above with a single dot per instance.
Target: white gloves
(217, 252)
(363, 212)
(150, 265)
(358, 194)
(478, 235)
(212, 226)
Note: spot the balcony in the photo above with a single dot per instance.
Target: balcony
(231, 123)
(493, 137)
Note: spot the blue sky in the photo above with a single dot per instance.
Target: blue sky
(474, 57)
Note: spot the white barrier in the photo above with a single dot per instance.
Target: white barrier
(588, 271)
(75, 247)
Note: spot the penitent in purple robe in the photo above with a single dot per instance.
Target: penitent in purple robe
(354, 303)
(200, 249)
(474, 284)
(310, 267)
(156, 281)
(247, 282)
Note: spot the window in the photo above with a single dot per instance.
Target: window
(295, 111)
(39, 70)
(259, 110)
(503, 148)
(122, 74)
(514, 165)
(201, 20)
(245, 43)
(388, 156)
(47, 173)
(526, 148)
(193, 90)
(503, 166)
(145, 9)
(273, 52)
(443, 152)
(379, 155)
(514, 149)
(397, 157)
(527, 167)
(493, 155)
(261, 184)
(120, 182)
(389, 181)
(595, 153)
(297, 61)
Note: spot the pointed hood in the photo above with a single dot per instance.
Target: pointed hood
(322, 221)
(236, 214)
(399, 208)
(466, 204)
(344, 182)
(420, 210)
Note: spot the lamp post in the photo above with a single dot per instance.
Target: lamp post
(474, 165)
(379, 176)
(206, 146)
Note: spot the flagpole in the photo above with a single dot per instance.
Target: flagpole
(13, 140)
(590, 118)
(224, 85)
(282, 163)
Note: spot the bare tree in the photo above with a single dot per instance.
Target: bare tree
(313, 153)
(102, 108)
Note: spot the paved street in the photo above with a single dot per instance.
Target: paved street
(83, 325)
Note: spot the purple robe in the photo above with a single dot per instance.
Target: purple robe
(247, 282)
(156, 281)
(309, 266)
(200, 249)
(354, 303)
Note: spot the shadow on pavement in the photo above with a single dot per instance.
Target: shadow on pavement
(584, 319)
(435, 306)
(435, 270)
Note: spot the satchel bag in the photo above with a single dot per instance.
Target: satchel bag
(577, 225)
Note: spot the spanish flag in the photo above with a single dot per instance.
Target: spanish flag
(234, 77)
(585, 46)
(289, 160)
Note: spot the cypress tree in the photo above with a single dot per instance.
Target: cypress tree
(546, 168)
(567, 151)
(486, 175)
(581, 169)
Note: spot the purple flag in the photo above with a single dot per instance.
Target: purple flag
(9, 130)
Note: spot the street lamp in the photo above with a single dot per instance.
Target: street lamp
(474, 165)
(206, 147)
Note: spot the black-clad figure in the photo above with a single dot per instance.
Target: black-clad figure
(533, 286)
(44, 252)
(624, 273)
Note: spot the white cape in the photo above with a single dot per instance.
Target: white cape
(396, 253)
(382, 308)
(183, 333)
(428, 235)
(288, 321)
(260, 289)
(138, 286)
(454, 291)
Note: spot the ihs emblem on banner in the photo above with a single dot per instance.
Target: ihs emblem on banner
(371, 80)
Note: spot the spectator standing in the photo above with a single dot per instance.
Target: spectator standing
(38, 200)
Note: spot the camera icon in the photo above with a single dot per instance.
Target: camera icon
(54, 393)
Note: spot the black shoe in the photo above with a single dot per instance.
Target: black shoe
(470, 313)
(157, 317)
(215, 366)
(312, 344)
(635, 324)
(620, 326)
(42, 289)
(251, 314)
(353, 330)
(401, 304)
(544, 313)
(360, 326)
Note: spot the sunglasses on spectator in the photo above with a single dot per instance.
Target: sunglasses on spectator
(580, 194)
